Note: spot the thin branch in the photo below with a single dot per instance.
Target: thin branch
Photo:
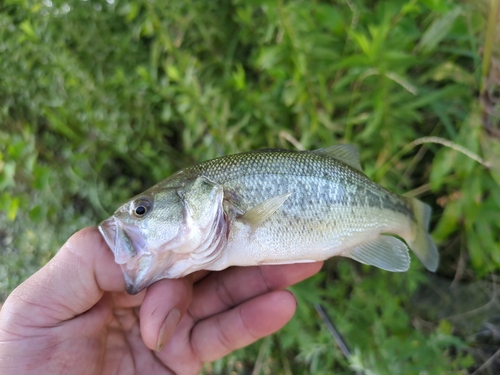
(336, 336)
(260, 357)
(487, 363)
(383, 170)
(418, 191)
(287, 136)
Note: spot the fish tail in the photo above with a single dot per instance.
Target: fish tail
(421, 243)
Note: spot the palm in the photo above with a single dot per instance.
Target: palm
(123, 350)
(61, 322)
(201, 335)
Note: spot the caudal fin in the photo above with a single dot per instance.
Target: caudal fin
(421, 242)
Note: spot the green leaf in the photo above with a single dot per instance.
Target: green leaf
(131, 10)
(270, 57)
(363, 42)
(37, 214)
(7, 173)
(438, 30)
(448, 222)
(42, 175)
(441, 168)
(28, 30)
(451, 71)
(173, 73)
(9, 206)
(239, 77)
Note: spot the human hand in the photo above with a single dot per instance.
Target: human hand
(74, 317)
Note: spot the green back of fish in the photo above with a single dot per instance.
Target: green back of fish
(253, 176)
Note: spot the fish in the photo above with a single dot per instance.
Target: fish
(264, 207)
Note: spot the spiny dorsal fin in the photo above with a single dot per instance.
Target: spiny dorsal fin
(347, 153)
(261, 212)
(384, 252)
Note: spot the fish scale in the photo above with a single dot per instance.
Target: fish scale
(320, 187)
(267, 207)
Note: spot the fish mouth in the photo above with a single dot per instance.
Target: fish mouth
(125, 242)
(132, 286)
(117, 240)
(108, 231)
(134, 289)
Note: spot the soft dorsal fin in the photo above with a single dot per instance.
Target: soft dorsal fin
(384, 252)
(261, 212)
(347, 153)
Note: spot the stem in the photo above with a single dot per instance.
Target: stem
(336, 336)
(488, 43)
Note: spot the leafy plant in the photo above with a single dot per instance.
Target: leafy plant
(100, 100)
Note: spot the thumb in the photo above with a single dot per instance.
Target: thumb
(70, 284)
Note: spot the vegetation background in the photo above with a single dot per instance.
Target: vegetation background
(101, 99)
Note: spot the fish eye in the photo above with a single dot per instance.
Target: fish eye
(141, 207)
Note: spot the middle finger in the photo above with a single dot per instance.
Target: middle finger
(222, 290)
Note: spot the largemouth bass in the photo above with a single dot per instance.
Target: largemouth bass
(266, 207)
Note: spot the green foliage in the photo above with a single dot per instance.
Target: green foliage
(99, 100)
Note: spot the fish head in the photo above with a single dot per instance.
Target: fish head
(167, 232)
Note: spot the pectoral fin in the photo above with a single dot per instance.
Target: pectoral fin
(384, 252)
(261, 212)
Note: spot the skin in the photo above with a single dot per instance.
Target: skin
(74, 317)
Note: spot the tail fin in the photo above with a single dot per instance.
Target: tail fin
(422, 244)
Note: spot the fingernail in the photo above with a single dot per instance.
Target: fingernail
(168, 327)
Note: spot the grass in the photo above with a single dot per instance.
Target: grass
(99, 101)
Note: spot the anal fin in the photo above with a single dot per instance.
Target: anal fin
(385, 252)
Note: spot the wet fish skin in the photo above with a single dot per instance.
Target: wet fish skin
(175, 238)
(267, 207)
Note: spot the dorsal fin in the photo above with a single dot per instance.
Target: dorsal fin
(346, 153)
